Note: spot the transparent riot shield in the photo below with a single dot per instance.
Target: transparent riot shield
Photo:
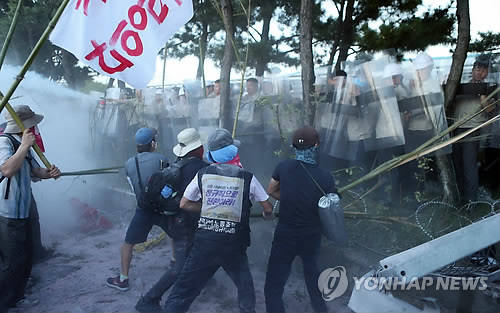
(208, 116)
(339, 120)
(423, 111)
(178, 113)
(378, 103)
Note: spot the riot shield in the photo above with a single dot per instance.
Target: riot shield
(423, 111)
(208, 116)
(339, 120)
(379, 107)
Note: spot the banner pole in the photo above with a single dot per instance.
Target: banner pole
(12, 27)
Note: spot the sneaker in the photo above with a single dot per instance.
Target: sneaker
(25, 303)
(145, 305)
(114, 282)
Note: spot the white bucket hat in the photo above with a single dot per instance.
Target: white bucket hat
(188, 140)
(26, 115)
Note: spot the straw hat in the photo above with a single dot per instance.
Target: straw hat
(27, 116)
(188, 140)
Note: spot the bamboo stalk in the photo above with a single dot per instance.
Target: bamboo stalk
(32, 56)
(243, 72)
(164, 66)
(240, 96)
(82, 173)
(202, 67)
(12, 27)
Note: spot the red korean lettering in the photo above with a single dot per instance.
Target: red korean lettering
(85, 5)
(117, 32)
(98, 52)
(144, 18)
(138, 43)
(163, 11)
(179, 2)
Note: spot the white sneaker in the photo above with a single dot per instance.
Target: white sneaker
(27, 303)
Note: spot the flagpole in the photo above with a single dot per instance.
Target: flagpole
(12, 27)
(32, 56)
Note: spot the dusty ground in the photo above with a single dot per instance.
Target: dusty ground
(74, 279)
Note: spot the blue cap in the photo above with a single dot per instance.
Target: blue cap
(144, 136)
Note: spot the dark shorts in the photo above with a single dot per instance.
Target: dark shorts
(141, 225)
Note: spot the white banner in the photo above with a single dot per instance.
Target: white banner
(120, 38)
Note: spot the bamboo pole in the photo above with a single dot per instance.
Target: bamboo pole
(202, 67)
(243, 72)
(83, 173)
(240, 96)
(12, 27)
(164, 66)
(32, 56)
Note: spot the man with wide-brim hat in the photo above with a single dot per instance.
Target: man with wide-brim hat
(189, 152)
(187, 140)
(18, 169)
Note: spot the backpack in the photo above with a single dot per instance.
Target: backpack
(150, 197)
(16, 144)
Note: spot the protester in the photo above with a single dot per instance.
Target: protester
(189, 151)
(298, 232)
(226, 192)
(138, 170)
(18, 169)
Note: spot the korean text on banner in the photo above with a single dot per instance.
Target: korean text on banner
(120, 38)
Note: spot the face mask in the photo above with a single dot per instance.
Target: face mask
(38, 137)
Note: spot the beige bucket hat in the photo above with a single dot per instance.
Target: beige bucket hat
(188, 140)
(27, 116)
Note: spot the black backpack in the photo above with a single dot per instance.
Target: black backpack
(150, 197)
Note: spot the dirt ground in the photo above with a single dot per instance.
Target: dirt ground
(74, 279)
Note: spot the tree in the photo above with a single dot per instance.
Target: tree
(266, 49)
(227, 62)
(52, 61)
(197, 34)
(306, 59)
(400, 28)
(446, 171)
(488, 41)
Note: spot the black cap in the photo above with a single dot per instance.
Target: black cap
(482, 61)
(305, 137)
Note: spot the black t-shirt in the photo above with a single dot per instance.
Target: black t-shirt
(189, 171)
(299, 195)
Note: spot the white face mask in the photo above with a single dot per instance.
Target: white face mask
(155, 145)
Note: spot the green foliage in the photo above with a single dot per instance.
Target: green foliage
(400, 29)
(51, 61)
(91, 85)
(411, 34)
(488, 41)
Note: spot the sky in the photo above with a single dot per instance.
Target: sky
(484, 16)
